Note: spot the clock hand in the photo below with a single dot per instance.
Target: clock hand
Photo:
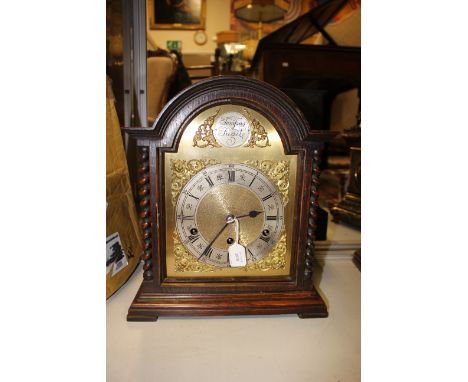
(252, 214)
(229, 219)
(207, 249)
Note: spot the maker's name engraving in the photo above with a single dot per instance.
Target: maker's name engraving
(231, 129)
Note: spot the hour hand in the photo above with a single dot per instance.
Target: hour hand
(206, 252)
(252, 214)
(208, 248)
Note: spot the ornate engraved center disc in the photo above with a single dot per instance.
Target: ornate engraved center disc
(229, 199)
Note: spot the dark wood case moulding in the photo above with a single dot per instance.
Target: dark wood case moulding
(160, 295)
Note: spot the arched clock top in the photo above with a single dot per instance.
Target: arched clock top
(259, 96)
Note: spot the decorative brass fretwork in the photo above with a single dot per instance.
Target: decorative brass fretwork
(258, 134)
(204, 136)
(274, 260)
(277, 171)
(186, 262)
(183, 171)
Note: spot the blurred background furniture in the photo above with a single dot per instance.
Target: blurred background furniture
(260, 11)
(348, 209)
(311, 75)
(323, 80)
(160, 73)
(199, 65)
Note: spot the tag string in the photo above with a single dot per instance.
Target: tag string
(237, 230)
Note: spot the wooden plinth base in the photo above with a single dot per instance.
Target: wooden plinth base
(149, 306)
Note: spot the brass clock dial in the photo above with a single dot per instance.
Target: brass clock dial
(211, 199)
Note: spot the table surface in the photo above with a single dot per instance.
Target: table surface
(242, 348)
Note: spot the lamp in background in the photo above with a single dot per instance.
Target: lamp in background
(260, 11)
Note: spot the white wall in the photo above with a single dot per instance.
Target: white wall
(217, 20)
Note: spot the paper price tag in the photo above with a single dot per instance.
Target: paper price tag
(119, 265)
(237, 255)
(116, 260)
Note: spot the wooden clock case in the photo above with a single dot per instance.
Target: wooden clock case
(160, 295)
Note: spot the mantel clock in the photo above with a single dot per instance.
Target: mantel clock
(228, 187)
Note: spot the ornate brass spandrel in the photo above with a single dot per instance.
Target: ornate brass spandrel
(186, 262)
(277, 171)
(258, 134)
(274, 260)
(204, 136)
(183, 171)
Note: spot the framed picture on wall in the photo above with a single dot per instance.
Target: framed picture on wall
(177, 14)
